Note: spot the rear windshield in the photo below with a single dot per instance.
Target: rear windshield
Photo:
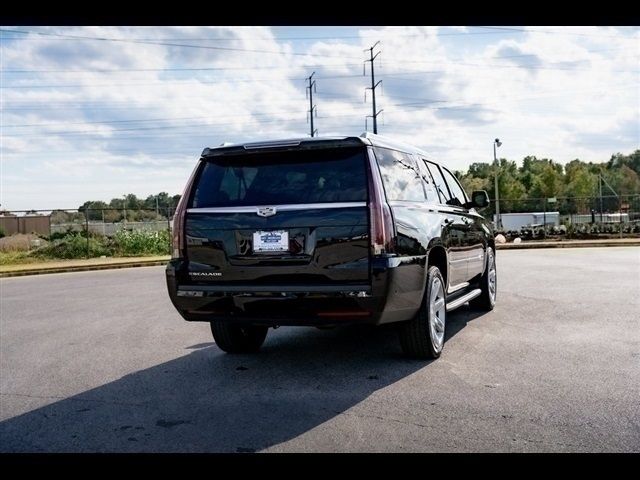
(326, 175)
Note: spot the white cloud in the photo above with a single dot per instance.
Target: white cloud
(559, 95)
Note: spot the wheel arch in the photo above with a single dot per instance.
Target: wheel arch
(437, 256)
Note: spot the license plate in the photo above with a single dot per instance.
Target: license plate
(273, 241)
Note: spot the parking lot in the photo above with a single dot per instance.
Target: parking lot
(100, 361)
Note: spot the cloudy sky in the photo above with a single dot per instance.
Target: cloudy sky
(97, 112)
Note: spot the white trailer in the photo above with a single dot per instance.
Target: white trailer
(515, 221)
(606, 218)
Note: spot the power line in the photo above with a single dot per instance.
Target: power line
(162, 127)
(172, 82)
(417, 102)
(267, 67)
(227, 130)
(111, 104)
(262, 79)
(136, 120)
(325, 37)
(168, 44)
(553, 32)
(176, 69)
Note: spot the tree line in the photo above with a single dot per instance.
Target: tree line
(542, 178)
(154, 207)
(521, 188)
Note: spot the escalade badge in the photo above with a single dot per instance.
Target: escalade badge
(266, 211)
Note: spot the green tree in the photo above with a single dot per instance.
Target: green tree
(624, 180)
(510, 188)
(548, 182)
(579, 181)
(94, 208)
(632, 161)
(471, 183)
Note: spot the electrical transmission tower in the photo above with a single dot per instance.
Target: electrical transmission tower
(311, 88)
(373, 87)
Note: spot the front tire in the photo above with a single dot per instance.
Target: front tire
(488, 285)
(238, 338)
(423, 336)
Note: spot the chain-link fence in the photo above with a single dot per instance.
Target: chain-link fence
(574, 217)
(68, 233)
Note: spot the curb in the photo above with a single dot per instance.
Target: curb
(155, 263)
(82, 268)
(583, 244)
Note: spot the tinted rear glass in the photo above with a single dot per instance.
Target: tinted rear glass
(320, 176)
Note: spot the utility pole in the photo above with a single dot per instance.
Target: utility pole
(312, 108)
(373, 87)
(497, 143)
(600, 180)
(600, 187)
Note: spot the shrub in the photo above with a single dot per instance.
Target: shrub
(60, 235)
(137, 242)
(73, 245)
(2, 233)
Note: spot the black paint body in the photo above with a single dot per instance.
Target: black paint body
(330, 274)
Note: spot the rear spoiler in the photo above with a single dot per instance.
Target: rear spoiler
(283, 145)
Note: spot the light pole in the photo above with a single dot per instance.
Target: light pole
(496, 144)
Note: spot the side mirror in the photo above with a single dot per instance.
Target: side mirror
(479, 199)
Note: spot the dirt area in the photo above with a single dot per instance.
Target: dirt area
(21, 242)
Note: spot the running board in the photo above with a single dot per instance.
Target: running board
(464, 299)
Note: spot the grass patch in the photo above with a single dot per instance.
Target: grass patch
(17, 258)
(135, 243)
(19, 249)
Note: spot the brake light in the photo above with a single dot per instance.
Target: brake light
(382, 228)
(178, 231)
(178, 243)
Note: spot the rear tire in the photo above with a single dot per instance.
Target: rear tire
(423, 336)
(238, 338)
(488, 285)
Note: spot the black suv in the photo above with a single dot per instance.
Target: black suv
(324, 232)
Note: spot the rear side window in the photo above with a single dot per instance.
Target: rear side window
(320, 176)
(438, 181)
(400, 175)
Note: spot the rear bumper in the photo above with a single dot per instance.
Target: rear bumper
(274, 305)
(394, 294)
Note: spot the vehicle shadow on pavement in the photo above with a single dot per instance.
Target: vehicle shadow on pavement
(208, 401)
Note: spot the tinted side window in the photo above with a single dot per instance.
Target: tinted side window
(429, 185)
(400, 175)
(457, 193)
(439, 182)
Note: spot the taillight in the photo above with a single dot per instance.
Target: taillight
(382, 228)
(177, 243)
(178, 231)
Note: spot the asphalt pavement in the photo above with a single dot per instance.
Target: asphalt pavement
(101, 362)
